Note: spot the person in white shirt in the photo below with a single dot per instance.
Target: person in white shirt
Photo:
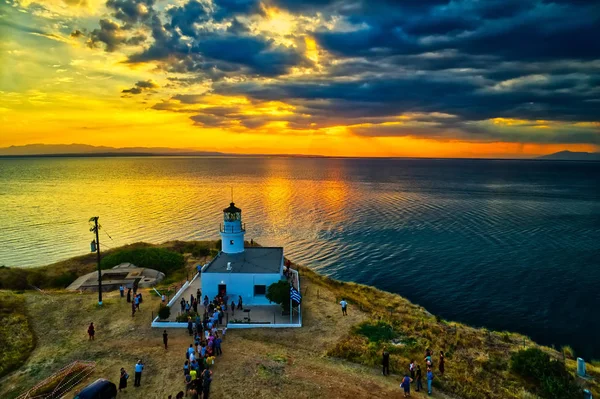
(344, 307)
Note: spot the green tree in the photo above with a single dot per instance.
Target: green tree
(164, 312)
(279, 293)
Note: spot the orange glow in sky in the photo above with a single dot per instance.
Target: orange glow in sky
(78, 72)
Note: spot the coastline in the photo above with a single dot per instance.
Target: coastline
(466, 347)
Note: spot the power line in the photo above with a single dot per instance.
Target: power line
(103, 229)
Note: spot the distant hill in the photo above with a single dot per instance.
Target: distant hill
(90, 150)
(572, 156)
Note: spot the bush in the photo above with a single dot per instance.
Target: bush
(161, 259)
(164, 312)
(568, 352)
(183, 318)
(376, 332)
(279, 293)
(550, 377)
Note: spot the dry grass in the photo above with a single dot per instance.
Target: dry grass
(259, 363)
(477, 360)
(16, 335)
(283, 363)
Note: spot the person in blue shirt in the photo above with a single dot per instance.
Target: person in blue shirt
(122, 290)
(406, 380)
(139, 366)
(429, 379)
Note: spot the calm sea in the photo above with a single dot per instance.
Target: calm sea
(510, 245)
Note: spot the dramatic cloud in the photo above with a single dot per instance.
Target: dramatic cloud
(524, 71)
(142, 86)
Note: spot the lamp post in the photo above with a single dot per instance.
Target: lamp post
(95, 229)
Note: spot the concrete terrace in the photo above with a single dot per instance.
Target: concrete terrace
(258, 314)
(268, 314)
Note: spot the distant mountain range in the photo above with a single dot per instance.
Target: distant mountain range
(65, 150)
(572, 156)
(90, 150)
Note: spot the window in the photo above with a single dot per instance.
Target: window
(260, 290)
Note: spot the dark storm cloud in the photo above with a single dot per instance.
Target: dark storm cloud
(131, 11)
(471, 60)
(109, 33)
(141, 86)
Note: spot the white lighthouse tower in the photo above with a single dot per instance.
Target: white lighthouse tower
(232, 230)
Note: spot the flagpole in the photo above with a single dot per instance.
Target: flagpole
(290, 305)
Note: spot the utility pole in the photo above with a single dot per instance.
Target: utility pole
(95, 229)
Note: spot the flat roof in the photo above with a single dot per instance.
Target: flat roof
(252, 260)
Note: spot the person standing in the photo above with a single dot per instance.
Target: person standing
(123, 379)
(385, 361)
(240, 304)
(136, 302)
(139, 367)
(132, 309)
(182, 304)
(419, 378)
(406, 380)
(190, 326)
(411, 368)
(344, 307)
(121, 290)
(232, 308)
(442, 366)
(163, 298)
(206, 380)
(429, 380)
(218, 350)
(128, 295)
(187, 378)
(91, 332)
(165, 338)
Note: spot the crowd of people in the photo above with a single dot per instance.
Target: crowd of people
(207, 345)
(207, 334)
(415, 373)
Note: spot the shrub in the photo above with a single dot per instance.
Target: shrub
(183, 318)
(279, 293)
(164, 312)
(550, 377)
(376, 332)
(160, 259)
(568, 352)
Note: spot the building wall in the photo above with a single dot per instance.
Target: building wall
(238, 284)
(232, 231)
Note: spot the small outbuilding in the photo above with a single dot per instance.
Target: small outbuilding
(125, 274)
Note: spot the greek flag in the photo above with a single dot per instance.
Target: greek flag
(295, 295)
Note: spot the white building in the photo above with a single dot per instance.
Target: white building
(238, 270)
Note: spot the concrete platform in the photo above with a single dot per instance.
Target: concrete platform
(125, 273)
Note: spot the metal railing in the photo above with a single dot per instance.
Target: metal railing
(232, 229)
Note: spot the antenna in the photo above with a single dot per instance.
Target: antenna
(232, 194)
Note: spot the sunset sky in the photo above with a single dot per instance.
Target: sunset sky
(433, 78)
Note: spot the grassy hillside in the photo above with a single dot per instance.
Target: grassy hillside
(331, 356)
(16, 336)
